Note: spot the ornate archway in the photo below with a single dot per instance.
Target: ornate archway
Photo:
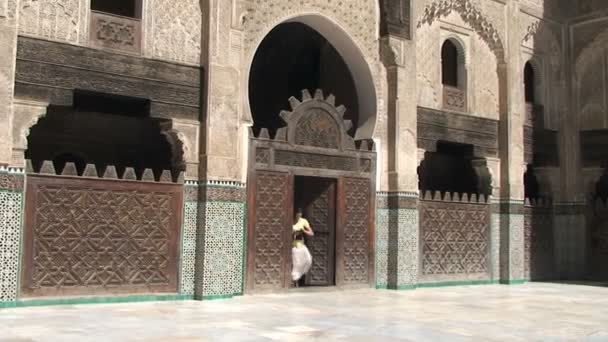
(314, 145)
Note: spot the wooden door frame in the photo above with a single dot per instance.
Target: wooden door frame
(335, 156)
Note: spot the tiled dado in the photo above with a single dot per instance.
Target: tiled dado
(215, 269)
(11, 218)
(396, 240)
(507, 252)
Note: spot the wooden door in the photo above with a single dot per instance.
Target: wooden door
(317, 198)
(355, 234)
(269, 237)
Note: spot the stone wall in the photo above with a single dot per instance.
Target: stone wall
(171, 33)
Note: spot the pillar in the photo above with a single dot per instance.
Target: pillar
(220, 188)
(8, 40)
(570, 231)
(11, 179)
(397, 217)
(508, 203)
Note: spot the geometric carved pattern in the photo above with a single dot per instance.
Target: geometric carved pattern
(115, 32)
(99, 236)
(454, 238)
(396, 242)
(11, 182)
(188, 255)
(318, 128)
(382, 222)
(321, 245)
(538, 243)
(225, 193)
(454, 99)
(403, 248)
(357, 199)
(10, 233)
(224, 253)
(271, 204)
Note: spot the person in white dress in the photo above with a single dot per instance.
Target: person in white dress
(301, 258)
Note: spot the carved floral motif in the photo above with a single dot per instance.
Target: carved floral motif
(472, 16)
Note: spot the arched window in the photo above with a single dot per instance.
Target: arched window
(449, 64)
(529, 83)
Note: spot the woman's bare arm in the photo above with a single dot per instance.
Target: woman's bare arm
(308, 231)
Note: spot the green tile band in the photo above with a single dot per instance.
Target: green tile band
(95, 300)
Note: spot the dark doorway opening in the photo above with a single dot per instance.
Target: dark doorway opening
(317, 198)
(293, 57)
(125, 8)
(450, 169)
(105, 130)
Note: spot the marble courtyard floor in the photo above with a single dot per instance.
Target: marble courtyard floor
(535, 311)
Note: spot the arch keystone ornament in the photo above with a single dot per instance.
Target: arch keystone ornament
(316, 121)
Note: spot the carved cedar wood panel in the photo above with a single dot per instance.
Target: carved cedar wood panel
(538, 239)
(318, 128)
(356, 223)
(321, 245)
(99, 236)
(270, 226)
(454, 238)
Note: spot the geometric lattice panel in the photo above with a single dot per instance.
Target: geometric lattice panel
(224, 252)
(357, 202)
(188, 256)
(271, 204)
(382, 247)
(10, 236)
(99, 237)
(407, 246)
(516, 247)
(454, 238)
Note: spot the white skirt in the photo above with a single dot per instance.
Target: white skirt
(302, 261)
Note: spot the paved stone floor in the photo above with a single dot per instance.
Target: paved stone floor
(548, 312)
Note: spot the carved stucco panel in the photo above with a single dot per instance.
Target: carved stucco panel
(174, 32)
(592, 94)
(542, 40)
(428, 63)
(224, 109)
(7, 9)
(8, 41)
(61, 20)
(487, 18)
(483, 82)
(358, 18)
(189, 135)
(591, 85)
